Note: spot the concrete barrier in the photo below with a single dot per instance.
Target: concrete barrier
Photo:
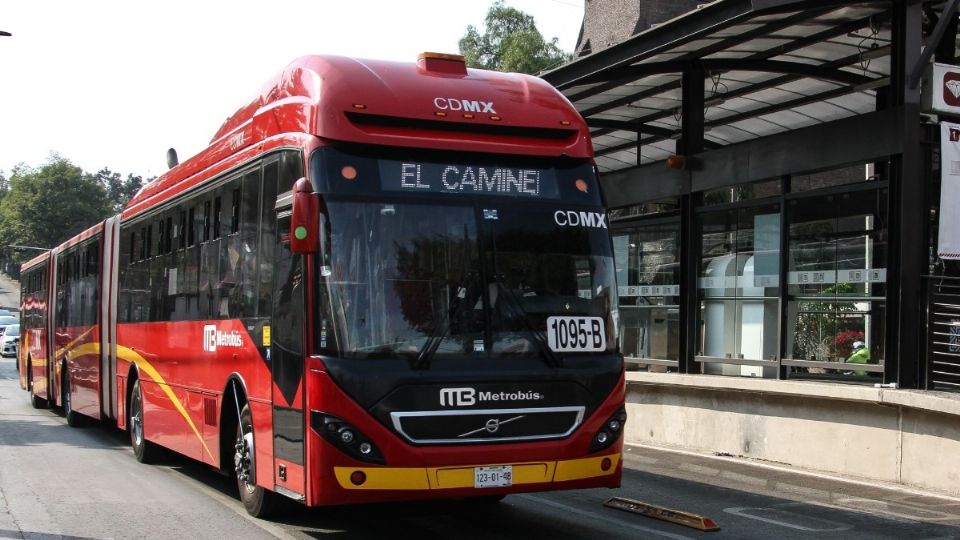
(908, 437)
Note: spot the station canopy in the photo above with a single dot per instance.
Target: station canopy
(769, 66)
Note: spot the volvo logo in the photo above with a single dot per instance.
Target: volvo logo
(491, 426)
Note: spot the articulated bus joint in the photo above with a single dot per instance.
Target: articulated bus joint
(345, 437)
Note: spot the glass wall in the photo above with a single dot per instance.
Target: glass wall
(738, 286)
(790, 279)
(648, 278)
(837, 284)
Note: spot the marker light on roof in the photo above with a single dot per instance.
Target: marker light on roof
(564, 122)
(359, 106)
(495, 118)
(441, 114)
(468, 116)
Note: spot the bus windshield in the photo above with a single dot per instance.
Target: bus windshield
(423, 281)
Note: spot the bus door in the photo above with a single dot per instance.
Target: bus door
(287, 363)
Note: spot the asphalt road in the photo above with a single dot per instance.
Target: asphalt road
(61, 482)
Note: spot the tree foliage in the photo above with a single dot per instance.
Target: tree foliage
(119, 191)
(44, 206)
(510, 42)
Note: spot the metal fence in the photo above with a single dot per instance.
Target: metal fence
(943, 333)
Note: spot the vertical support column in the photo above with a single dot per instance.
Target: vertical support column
(690, 143)
(907, 252)
(783, 282)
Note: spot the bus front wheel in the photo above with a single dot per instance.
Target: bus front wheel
(258, 502)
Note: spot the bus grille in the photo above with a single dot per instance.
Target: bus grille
(487, 425)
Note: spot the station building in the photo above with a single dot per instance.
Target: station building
(773, 173)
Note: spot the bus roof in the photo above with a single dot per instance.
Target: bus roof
(435, 103)
(42, 258)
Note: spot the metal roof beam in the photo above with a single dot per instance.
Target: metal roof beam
(631, 73)
(746, 90)
(764, 55)
(659, 133)
(799, 102)
(716, 47)
(696, 23)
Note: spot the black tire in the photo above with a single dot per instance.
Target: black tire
(36, 401)
(259, 502)
(144, 450)
(74, 419)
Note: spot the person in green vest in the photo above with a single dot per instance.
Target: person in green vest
(860, 356)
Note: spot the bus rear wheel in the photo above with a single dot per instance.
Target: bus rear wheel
(144, 450)
(36, 401)
(258, 502)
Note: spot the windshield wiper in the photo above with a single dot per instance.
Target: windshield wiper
(514, 304)
(440, 332)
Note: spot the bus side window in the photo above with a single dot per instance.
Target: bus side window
(206, 222)
(217, 211)
(247, 197)
(268, 236)
(291, 170)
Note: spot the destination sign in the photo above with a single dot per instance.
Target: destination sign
(411, 176)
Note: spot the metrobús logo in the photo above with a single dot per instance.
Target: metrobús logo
(213, 338)
(464, 397)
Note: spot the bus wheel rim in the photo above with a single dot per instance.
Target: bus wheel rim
(136, 421)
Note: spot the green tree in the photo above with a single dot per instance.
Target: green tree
(47, 205)
(119, 191)
(510, 42)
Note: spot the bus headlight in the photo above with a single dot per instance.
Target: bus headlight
(345, 437)
(609, 432)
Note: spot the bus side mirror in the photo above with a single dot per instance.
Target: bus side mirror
(305, 218)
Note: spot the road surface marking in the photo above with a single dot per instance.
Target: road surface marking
(602, 517)
(744, 511)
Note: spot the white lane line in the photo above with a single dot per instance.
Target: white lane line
(603, 517)
(743, 511)
(699, 469)
(887, 507)
(744, 479)
(801, 490)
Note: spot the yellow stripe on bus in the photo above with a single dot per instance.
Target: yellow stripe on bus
(131, 355)
(420, 478)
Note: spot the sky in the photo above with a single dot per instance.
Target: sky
(109, 83)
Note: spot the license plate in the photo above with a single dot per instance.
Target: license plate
(485, 477)
(576, 334)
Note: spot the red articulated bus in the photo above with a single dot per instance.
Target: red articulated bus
(381, 281)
